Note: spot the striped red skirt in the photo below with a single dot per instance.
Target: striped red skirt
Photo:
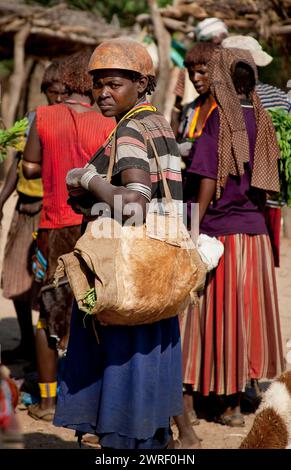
(236, 335)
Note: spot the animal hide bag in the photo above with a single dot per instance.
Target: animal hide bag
(137, 278)
(272, 424)
(140, 274)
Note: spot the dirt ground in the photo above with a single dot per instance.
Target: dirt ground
(46, 436)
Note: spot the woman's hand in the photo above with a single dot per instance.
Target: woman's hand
(74, 205)
(73, 202)
(73, 178)
(78, 180)
(184, 148)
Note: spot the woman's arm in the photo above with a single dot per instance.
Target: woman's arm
(106, 192)
(176, 115)
(205, 195)
(135, 189)
(32, 156)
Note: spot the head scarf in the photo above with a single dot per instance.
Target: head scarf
(233, 144)
(210, 28)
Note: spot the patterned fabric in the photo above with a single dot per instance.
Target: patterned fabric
(17, 280)
(68, 140)
(233, 147)
(239, 327)
(56, 303)
(190, 330)
(273, 97)
(240, 208)
(132, 153)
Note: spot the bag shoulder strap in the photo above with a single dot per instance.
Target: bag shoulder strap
(112, 157)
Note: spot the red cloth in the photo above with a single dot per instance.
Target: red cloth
(237, 335)
(273, 222)
(68, 139)
(5, 405)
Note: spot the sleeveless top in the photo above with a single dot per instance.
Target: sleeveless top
(68, 140)
(32, 188)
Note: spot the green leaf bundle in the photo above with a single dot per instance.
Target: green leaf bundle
(13, 137)
(89, 300)
(282, 123)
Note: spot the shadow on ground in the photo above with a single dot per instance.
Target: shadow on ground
(9, 339)
(212, 406)
(40, 440)
(9, 336)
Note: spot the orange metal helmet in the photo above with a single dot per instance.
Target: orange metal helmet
(123, 54)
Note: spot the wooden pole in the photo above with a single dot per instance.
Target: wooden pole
(22, 105)
(277, 30)
(11, 99)
(164, 42)
(17, 76)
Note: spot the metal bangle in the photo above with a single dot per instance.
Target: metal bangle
(86, 178)
(31, 165)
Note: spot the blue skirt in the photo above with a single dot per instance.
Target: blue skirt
(125, 387)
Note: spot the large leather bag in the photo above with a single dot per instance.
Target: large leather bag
(140, 274)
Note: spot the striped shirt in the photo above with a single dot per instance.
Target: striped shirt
(131, 152)
(272, 97)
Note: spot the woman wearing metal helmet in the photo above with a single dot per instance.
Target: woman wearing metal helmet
(125, 387)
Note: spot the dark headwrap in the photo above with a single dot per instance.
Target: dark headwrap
(233, 145)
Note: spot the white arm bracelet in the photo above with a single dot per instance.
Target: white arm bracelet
(86, 178)
(140, 188)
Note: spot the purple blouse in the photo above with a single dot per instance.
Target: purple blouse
(240, 208)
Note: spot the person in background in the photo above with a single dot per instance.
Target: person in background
(214, 31)
(61, 138)
(211, 30)
(17, 279)
(193, 120)
(195, 114)
(235, 165)
(271, 97)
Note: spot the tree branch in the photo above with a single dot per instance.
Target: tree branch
(18, 75)
(164, 42)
